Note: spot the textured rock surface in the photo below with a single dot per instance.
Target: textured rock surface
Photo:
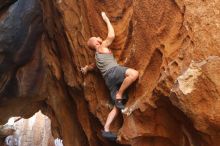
(173, 44)
(34, 131)
(4, 132)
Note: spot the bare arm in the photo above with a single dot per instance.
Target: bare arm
(111, 33)
(91, 66)
(88, 68)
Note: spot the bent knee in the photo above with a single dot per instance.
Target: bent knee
(133, 73)
(136, 74)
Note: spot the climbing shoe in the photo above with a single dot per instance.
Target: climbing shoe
(119, 103)
(109, 135)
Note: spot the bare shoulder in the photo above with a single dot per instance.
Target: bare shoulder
(103, 49)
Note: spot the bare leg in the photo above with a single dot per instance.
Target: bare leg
(131, 76)
(110, 118)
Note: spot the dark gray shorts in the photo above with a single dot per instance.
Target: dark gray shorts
(114, 78)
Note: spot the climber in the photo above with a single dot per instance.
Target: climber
(117, 78)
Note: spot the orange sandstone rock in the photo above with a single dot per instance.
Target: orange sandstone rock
(171, 43)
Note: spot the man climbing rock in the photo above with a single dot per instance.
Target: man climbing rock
(117, 78)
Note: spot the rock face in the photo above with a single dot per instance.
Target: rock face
(5, 131)
(34, 131)
(174, 44)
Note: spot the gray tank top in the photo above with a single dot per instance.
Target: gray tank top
(105, 61)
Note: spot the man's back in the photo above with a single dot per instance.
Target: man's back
(105, 61)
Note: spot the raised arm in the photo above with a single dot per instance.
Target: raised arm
(111, 33)
(88, 68)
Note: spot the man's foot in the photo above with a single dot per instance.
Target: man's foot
(119, 103)
(109, 135)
